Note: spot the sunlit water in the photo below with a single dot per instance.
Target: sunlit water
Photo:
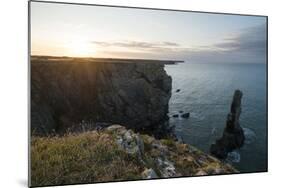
(206, 92)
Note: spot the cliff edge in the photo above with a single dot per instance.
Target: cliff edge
(83, 94)
(114, 154)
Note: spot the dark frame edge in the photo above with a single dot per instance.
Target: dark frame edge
(29, 92)
(145, 8)
(267, 89)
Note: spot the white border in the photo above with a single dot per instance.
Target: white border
(13, 100)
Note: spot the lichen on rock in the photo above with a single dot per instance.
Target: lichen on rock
(167, 157)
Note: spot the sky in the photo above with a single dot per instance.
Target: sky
(98, 31)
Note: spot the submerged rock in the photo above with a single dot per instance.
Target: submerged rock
(233, 136)
(175, 115)
(185, 115)
(178, 90)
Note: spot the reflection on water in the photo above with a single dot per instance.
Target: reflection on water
(206, 92)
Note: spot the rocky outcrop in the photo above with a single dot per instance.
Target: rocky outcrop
(185, 115)
(66, 93)
(149, 174)
(233, 135)
(128, 140)
(116, 153)
(166, 158)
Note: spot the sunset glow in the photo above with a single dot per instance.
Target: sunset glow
(81, 49)
(95, 31)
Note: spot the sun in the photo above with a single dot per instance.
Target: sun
(81, 49)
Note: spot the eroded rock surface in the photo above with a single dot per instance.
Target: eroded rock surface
(149, 174)
(166, 158)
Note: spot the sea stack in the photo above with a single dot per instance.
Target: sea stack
(233, 135)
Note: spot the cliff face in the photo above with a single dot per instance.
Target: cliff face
(68, 94)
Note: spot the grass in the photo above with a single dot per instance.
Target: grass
(84, 158)
(95, 157)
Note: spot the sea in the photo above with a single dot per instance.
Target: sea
(205, 91)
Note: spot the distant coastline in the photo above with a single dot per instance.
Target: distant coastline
(39, 58)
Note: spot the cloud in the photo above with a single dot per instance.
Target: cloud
(139, 45)
(246, 46)
(252, 39)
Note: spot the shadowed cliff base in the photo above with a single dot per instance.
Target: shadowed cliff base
(72, 94)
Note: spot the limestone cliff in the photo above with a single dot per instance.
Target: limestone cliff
(67, 93)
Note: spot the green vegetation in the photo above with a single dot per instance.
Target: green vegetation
(83, 158)
(98, 157)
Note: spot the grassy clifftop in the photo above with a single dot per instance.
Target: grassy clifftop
(113, 154)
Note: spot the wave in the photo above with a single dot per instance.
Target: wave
(250, 135)
(214, 131)
(233, 156)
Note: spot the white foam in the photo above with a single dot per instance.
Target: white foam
(233, 156)
(197, 116)
(214, 131)
(250, 135)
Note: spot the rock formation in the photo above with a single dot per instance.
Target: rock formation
(185, 115)
(175, 115)
(67, 92)
(116, 153)
(233, 135)
(149, 174)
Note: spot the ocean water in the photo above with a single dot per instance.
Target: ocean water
(206, 92)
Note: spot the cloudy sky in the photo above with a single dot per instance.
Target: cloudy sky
(96, 31)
